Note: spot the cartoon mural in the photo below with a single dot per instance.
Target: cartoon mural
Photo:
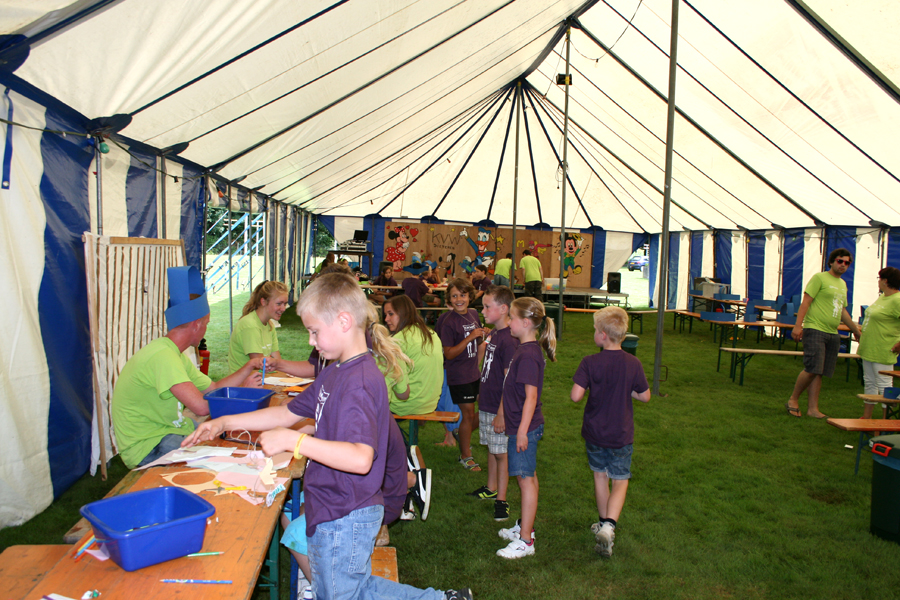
(571, 248)
(479, 245)
(413, 247)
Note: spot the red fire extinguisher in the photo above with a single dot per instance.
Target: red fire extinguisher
(204, 357)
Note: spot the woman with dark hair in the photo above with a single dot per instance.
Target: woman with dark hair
(385, 277)
(880, 340)
(423, 347)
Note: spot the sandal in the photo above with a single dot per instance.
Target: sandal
(794, 411)
(469, 463)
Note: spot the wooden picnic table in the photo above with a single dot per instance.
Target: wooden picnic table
(241, 531)
(866, 428)
(891, 406)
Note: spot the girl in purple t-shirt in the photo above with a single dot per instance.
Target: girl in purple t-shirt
(523, 416)
(461, 333)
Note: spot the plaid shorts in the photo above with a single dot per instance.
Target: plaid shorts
(496, 442)
(820, 351)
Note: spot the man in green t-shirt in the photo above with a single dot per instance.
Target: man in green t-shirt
(158, 381)
(503, 271)
(822, 310)
(533, 275)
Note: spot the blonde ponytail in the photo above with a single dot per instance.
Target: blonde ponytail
(386, 350)
(533, 310)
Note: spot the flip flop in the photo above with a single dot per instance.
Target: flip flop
(469, 463)
(794, 411)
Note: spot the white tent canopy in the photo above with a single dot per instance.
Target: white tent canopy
(402, 107)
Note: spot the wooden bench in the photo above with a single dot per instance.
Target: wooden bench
(384, 563)
(891, 406)
(866, 428)
(741, 356)
(21, 567)
(439, 416)
(682, 316)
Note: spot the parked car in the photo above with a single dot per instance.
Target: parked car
(636, 262)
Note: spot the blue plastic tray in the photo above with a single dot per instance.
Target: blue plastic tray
(144, 528)
(236, 400)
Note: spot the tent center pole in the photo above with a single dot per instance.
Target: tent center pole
(99, 159)
(565, 178)
(512, 267)
(662, 294)
(230, 299)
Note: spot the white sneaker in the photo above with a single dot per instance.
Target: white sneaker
(605, 534)
(407, 515)
(307, 593)
(512, 533)
(302, 586)
(516, 549)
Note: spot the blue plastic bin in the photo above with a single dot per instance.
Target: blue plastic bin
(236, 400)
(144, 528)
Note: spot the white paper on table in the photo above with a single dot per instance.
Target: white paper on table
(188, 455)
(100, 553)
(287, 381)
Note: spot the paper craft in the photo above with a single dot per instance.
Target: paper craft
(195, 487)
(100, 553)
(188, 455)
(282, 381)
(267, 475)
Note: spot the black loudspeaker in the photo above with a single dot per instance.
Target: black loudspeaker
(613, 283)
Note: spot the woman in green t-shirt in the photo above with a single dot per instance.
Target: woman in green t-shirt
(423, 347)
(880, 340)
(254, 334)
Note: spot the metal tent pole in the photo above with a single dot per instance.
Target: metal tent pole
(99, 159)
(230, 299)
(667, 202)
(162, 195)
(512, 267)
(565, 172)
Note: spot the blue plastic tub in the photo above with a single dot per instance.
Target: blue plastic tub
(144, 528)
(236, 400)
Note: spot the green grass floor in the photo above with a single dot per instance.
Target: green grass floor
(731, 497)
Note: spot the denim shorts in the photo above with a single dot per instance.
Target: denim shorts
(524, 464)
(615, 462)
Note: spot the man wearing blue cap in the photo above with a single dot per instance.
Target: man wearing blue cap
(159, 380)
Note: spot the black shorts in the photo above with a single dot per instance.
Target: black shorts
(464, 393)
(820, 351)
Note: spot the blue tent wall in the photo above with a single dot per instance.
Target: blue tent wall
(62, 302)
(792, 270)
(192, 226)
(843, 237)
(374, 224)
(893, 248)
(598, 257)
(140, 196)
(328, 223)
(696, 260)
(723, 256)
(756, 264)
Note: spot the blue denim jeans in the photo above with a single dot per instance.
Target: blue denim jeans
(340, 556)
(169, 442)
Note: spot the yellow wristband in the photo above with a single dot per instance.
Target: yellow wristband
(297, 447)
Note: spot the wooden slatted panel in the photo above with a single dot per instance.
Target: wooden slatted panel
(127, 295)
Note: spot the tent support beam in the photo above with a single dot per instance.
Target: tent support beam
(662, 294)
(512, 267)
(565, 180)
(99, 158)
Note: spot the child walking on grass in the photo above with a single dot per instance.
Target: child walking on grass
(523, 419)
(348, 454)
(614, 378)
(498, 351)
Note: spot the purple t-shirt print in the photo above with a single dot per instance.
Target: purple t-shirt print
(498, 352)
(454, 329)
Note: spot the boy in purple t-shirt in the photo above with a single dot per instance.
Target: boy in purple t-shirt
(614, 378)
(497, 351)
(415, 287)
